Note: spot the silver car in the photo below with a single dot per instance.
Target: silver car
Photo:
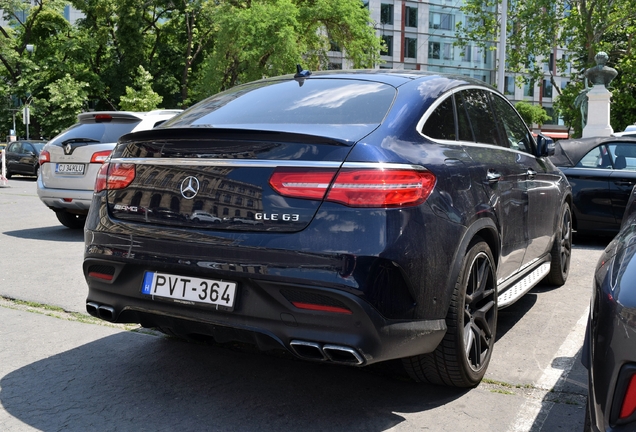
(69, 162)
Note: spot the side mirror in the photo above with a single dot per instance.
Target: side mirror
(545, 146)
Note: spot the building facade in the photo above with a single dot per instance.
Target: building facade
(420, 34)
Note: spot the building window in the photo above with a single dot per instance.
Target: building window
(468, 53)
(334, 46)
(250, 203)
(226, 211)
(237, 212)
(528, 88)
(448, 51)
(227, 198)
(441, 21)
(388, 48)
(547, 88)
(334, 66)
(410, 19)
(410, 47)
(433, 50)
(238, 201)
(386, 14)
(509, 85)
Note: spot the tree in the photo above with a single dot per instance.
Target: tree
(532, 114)
(142, 97)
(67, 98)
(584, 27)
(256, 38)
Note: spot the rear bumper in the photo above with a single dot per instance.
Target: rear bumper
(76, 201)
(265, 316)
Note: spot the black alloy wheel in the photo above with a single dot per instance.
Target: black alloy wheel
(461, 359)
(561, 249)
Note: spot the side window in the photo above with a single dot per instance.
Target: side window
(465, 132)
(441, 123)
(15, 147)
(480, 116)
(517, 135)
(598, 157)
(624, 156)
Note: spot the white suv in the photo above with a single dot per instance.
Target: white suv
(69, 162)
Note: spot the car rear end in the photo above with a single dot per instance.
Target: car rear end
(309, 252)
(69, 162)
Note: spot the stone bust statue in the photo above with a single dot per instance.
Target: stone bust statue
(600, 74)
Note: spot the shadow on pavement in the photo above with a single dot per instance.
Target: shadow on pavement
(52, 233)
(137, 382)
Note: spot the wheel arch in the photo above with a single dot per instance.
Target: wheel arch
(484, 229)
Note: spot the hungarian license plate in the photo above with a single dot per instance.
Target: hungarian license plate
(190, 289)
(66, 168)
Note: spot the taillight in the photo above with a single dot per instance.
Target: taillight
(100, 157)
(629, 401)
(114, 176)
(298, 183)
(357, 187)
(45, 157)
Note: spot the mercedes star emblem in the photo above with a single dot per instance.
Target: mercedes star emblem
(189, 187)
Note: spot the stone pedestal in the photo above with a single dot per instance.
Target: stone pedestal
(598, 112)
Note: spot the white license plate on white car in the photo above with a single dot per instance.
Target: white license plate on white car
(190, 289)
(66, 168)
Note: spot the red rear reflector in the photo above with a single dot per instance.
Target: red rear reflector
(302, 183)
(321, 308)
(100, 157)
(100, 276)
(68, 200)
(45, 157)
(114, 176)
(629, 402)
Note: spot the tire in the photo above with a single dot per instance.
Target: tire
(561, 249)
(461, 359)
(70, 220)
(8, 174)
(587, 426)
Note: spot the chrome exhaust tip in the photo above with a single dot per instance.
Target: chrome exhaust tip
(92, 309)
(106, 313)
(343, 355)
(308, 350)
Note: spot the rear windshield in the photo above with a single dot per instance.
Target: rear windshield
(314, 101)
(107, 132)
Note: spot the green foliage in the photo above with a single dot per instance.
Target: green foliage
(269, 37)
(66, 100)
(141, 98)
(532, 114)
(136, 54)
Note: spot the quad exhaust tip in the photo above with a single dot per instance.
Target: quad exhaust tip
(104, 312)
(327, 352)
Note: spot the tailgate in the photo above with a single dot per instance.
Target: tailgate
(218, 179)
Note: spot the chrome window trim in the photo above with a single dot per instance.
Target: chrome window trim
(448, 94)
(260, 163)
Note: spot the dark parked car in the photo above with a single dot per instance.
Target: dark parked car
(609, 351)
(391, 213)
(601, 172)
(22, 157)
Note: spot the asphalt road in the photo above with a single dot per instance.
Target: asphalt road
(59, 373)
